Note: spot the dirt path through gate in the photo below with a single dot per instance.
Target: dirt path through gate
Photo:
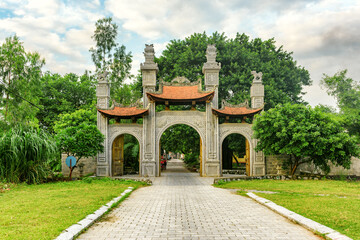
(182, 205)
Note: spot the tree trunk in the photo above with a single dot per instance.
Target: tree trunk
(295, 166)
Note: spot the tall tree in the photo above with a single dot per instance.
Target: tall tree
(347, 93)
(108, 55)
(282, 77)
(307, 135)
(20, 72)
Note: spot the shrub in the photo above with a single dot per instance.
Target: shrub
(192, 160)
(25, 154)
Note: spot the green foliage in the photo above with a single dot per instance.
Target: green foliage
(128, 93)
(282, 78)
(77, 134)
(192, 160)
(110, 56)
(20, 72)
(306, 134)
(25, 154)
(75, 119)
(347, 93)
(64, 94)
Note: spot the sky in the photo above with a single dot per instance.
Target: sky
(324, 35)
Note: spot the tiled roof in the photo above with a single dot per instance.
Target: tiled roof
(180, 94)
(125, 112)
(236, 111)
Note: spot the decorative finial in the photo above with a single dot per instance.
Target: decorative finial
(257, 76)
(102, 76)
(211, 53)
(149, 53)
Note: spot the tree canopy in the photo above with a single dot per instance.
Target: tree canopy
(282, 77)
(306, 134)
(64, 94)
(347, 93)
(20, 73)
(78, 135)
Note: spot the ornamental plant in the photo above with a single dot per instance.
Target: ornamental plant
(307, 135)
(77, 135)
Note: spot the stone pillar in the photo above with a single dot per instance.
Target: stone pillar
(148, 159)
(257, 90)
(103, 98)
(211, 161)
(211, 71)
(148, 70)
(257, 101)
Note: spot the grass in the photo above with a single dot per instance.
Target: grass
(335, 204)
(44, 211)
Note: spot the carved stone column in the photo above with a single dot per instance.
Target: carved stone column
(149, 69)
(257, 100)
(103, 98)
(211, 71)
(211, 160)
(257, 90)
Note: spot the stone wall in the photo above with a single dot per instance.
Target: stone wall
(334, 170)
(354, 169)
(89, 167)
(274, 163)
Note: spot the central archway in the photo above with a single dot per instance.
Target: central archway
(180, 139)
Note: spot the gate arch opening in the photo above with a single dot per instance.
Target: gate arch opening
(180, 141)
(235, 154)
(125, 155)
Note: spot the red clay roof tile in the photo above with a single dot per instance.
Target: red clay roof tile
(180, 93)
(124, 112)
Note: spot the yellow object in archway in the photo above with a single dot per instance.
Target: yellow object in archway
(118, 156)
(200, 156)
(247, 157)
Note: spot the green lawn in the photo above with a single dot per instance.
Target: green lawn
(44, 211)
(335, 204)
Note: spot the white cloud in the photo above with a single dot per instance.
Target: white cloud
(322, 34)
(47, 8)
(161, 18)
(60, 33)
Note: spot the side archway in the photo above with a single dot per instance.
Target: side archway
(115, 141)
(241, 129)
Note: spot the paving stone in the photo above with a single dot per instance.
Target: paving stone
(181, 205)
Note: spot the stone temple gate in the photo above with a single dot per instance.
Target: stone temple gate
(180, 91)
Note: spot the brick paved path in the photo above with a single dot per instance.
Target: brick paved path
(181, 205)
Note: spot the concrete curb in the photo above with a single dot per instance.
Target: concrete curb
(74, 230)
(309, 224)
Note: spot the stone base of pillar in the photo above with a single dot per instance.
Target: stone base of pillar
(102, 171)
(212, 170)
(259, 170)
(148, 169)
